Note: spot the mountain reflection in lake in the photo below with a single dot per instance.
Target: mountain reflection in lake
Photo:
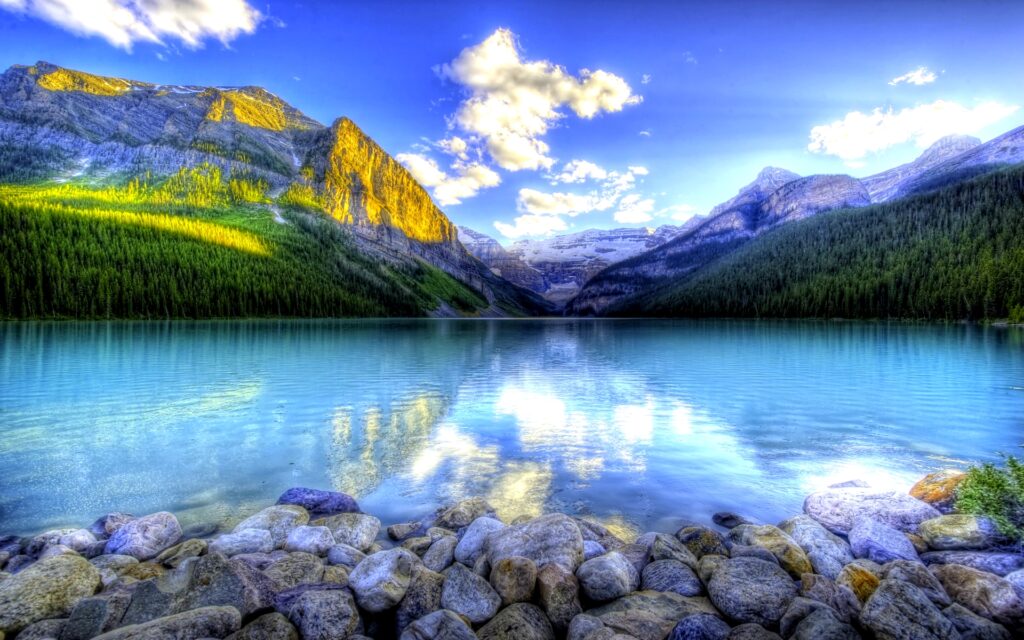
(637, 423)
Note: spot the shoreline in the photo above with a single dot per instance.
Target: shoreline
(858, 562)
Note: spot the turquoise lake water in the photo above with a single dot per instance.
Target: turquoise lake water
(640, 424)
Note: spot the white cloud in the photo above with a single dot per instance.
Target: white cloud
(634, 210)
(531, 225)
(689, 58)
(468, 180)
(646, 133)
(859, 134)
(454, 146)
(678, 212)
(639, 171)
(541, 203)
(645, 79)
(122, 23)
(512, 103)
(918, 76)
(577, 171)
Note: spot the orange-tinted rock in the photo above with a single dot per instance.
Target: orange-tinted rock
(938, 489)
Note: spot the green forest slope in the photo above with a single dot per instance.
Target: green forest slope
(954, 254)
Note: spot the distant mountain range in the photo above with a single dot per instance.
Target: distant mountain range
(169, 201)
(58, 125)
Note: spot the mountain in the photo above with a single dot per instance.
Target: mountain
(770, 200)
(896, 182)
(777, 197)
(951, 254)
(501, 262)
(243, 148)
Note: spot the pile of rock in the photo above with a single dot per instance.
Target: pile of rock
(858, 563)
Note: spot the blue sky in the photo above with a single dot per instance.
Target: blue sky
(684, 103)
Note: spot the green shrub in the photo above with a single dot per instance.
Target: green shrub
(995, 492)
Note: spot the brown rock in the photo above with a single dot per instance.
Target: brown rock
(938, 489)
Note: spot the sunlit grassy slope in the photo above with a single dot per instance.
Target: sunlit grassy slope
(196, 245)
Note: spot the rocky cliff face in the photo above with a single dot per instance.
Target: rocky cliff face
(58, 123)
(501, 262)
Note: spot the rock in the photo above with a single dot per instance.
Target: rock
(336, 574)
(513, 579)
(315, 540)
(295, 569)
(440, 625)
(95, 615)
(284, 600)
(143, 571)
(827, 552)
(151, 599)
(269, 626)
(418, 544)
(112, 561)
(797, 610)
(441, 553)
(106, 526)
(750, 551)
(879, 542)
(751, 590)
(324, 614)
(47, 589)
(244, 541)
(973, 626)
(608, 577)
(900, 611)
(381, 580)
(701, 541)
(260, 560)
(838, 510)
(551, 538)
(558, 593)
(403, 530)
(206, 622)
(44, 630)
(959, 532)
(938, 489)
(789, 554)
(825, 590)
(462, 513)
(469, 595)
(199, 530)
(592, 549)
(354, 529)
(649, 615)
(918, 575)
(985, 594)
(859, 580)
(1016, 578)
(145, 537)
(423, 597)
(730, 520)
(474, 539)
(177, 554)
(637, 554)
(582, 626)
(56, 550)
(707, 566)
(751, 631)
(920, 546)
(821, 624)
(216, 581)
(519, 621)
(996, 562)
(700, 626)
(317, 502)
(18, 563)
(279, 520)
(671, 575)
(79, 540)
(345, 555)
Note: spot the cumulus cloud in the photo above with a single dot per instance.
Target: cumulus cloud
(512, 102)
(448, 189)
(122, 23)
(531, 225)
(558, 203)
(577, 171)
(859, 134)
(918, 76)
(633, 209)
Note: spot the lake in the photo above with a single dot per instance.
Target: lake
(640, 424)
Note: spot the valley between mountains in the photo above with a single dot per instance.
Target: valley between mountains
(125, 199)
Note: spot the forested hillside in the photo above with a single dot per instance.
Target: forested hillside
(196, 245)
(954, 254)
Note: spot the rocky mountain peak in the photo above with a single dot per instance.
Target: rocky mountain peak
(947, 147)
